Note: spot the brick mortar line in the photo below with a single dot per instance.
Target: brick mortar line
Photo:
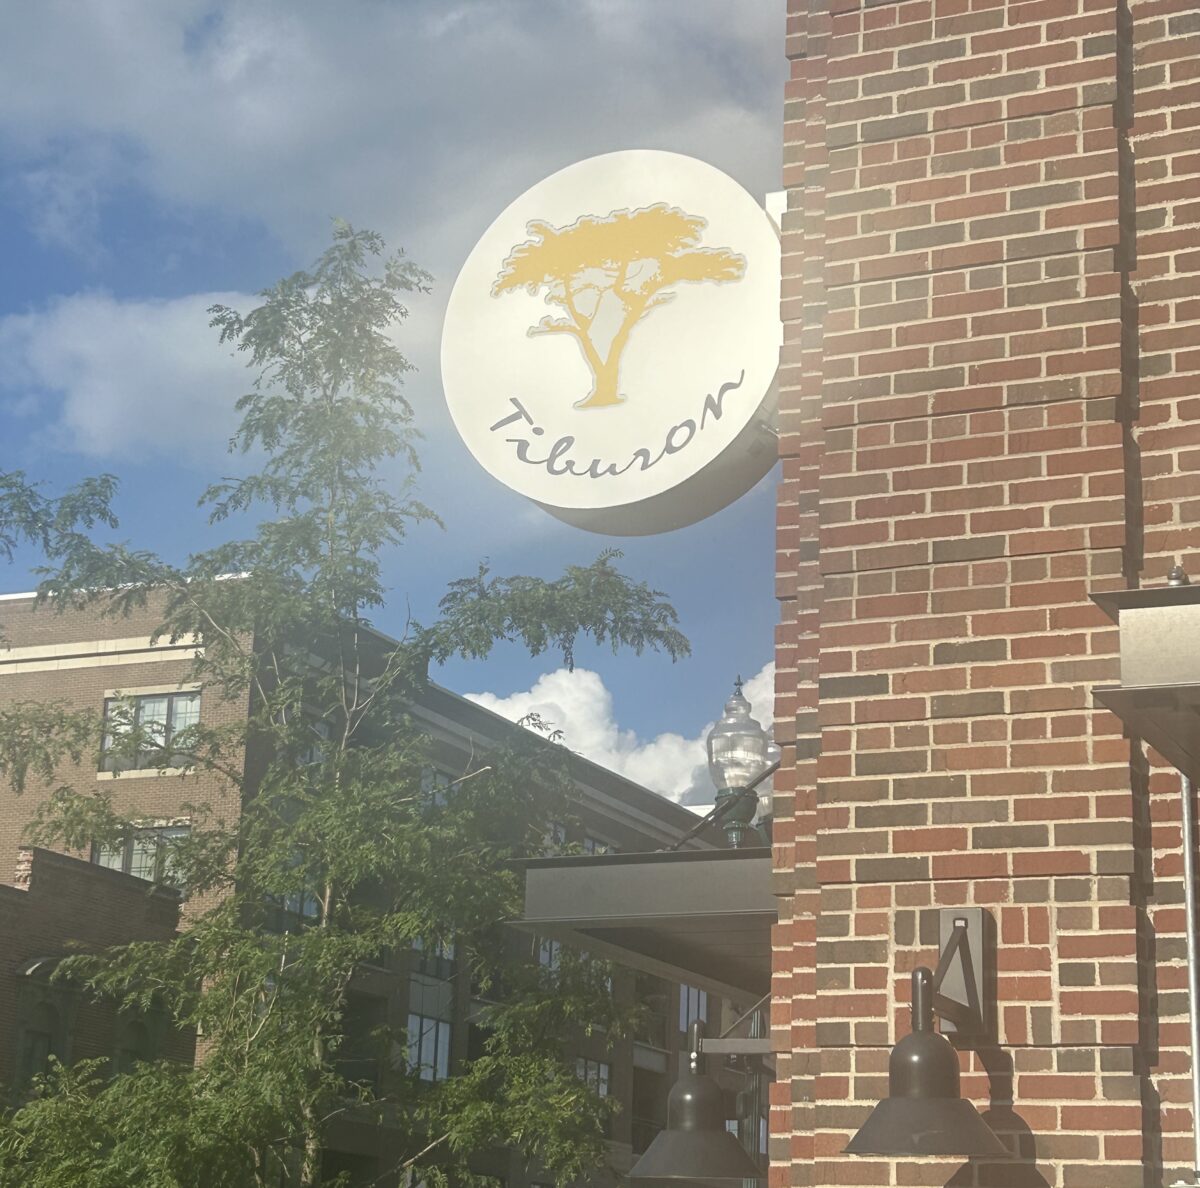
(951, 128)
(1077, 552)
(933, 414)
(1073, 253)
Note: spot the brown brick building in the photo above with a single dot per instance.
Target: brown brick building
(57, 906)
(85, 659)
(990, 408)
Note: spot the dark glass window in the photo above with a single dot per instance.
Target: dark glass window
(158, 720)
(134, 1045)
(39, 1041)
(549, 952)
(435, 959)
(435, 787)
(364, 1017)
(556, 837)
(146, 853)
(594, 1073)
(429, 1047)
(693, 1005)
(296, 909)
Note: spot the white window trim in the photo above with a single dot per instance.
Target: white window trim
(153, 690)
(145, 773)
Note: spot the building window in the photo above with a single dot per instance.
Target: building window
(594, 1074)
(595, 845)
(147, 853)
(320, 734)
(158, 719)
(429, 1047)
(134, 1045)
(436, 959)
(693, 1005)
(364, 1017)
(435, 787)
(556, 837)
(549, 952)
(295, 910)
(298, 909)
(38, 1043)
(653, 997)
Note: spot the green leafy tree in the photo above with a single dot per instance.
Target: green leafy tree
(324, 809)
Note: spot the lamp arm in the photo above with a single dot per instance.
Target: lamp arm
(762, 775)
(722, 807)
(962, 1017)
(969, 1017)
(746, 1014)
(958, 939)
(744, 1045)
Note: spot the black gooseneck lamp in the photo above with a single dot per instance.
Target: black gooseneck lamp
(695, 1145)
(924, 1113)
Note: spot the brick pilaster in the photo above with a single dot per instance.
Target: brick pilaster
(990, 400)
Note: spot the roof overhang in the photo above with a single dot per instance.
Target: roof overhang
(701, 917)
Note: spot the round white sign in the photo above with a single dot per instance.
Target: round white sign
(611, 343)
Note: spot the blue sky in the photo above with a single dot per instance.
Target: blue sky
(157, 157)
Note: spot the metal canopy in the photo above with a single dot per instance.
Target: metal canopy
(1158, 698)
(1113, 602)
(702, 917)
(1166, 717)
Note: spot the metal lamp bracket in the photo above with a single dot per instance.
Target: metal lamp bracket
(728, 1044)
(958, 982)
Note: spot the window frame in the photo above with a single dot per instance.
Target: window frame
(689, 996)
(42, 1020)
(134, 1044)
(419, 1027)
(436, 960)
(548, 952)
(595, 1074)
(161, 869)
(111, 764)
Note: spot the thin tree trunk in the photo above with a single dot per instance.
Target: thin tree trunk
(310, 1168)
(605, 392)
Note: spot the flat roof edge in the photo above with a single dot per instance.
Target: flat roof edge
(658, 857)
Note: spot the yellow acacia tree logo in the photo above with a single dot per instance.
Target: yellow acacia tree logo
(606, 273)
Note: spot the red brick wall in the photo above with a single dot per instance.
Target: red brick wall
(62, 906)
(990, 409)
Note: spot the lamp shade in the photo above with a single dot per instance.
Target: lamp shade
(695, 1144)
(923, 1113)
(737, 745)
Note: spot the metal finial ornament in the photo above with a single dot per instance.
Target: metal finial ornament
(1178, 576)
(737, 684)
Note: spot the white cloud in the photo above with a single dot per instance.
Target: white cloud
(118, 379)
(421, 118)
(63, 199)
(126, 379)
(580, 705)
